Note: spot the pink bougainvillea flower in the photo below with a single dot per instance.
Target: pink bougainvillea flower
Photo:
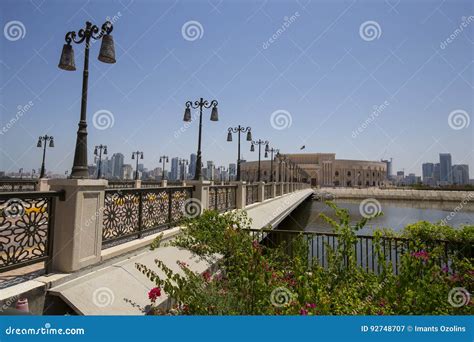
(154, 294)
(310, 305)
(422, 255)
(207, 276)
(303, 312)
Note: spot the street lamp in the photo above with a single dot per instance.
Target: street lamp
(182, 166)
(239, 129)
(98, 150)
(187, 118)
(138, 154)
(272, 150)
(259, 142)
(106, 55)
(42, 143)
(163, 159)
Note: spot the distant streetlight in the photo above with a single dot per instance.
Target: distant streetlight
(183, 163)
(259, 142)
(106, 55)
(187, 117)
(163, 159)
(98, 150)
(239, 129)
(272, 150)
(137, 154)
(42, 142)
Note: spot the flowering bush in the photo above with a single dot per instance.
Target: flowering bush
(253, 278)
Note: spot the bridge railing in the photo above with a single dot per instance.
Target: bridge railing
(370, 252)
(222, 197)
(26, 226)
(14, 185)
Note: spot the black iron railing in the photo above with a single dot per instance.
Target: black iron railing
(251, 195)
(369, 252)
(26, 228)
(14, 185)
(268, 191)
(222, 197)
(133, 213)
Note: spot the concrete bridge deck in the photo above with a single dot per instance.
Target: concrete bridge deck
(116, 287)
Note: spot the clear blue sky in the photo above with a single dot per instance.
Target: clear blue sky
(319, 69)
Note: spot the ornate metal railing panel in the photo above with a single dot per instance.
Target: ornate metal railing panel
(268, 191)
(15, 185)
(251, 194)
(133, 213)
(26, 223)
(222, 197)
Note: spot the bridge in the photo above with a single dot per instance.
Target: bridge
(93, 233)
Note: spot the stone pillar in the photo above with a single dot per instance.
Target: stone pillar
(138, 183)
(241, 194)
(261, 192)
(164, 183)
(77, 223)
(201, 192)
(42, 184)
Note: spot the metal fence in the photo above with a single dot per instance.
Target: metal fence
(26, 226)
(251, 194)
(222, 197)
(133, 213)
(15, 185)
(320, 245)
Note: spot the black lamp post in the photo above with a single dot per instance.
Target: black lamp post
(137, 154)
(106, 55)
(163, 159)
(259, 142)
(187, 117)
(42, 141)
(98, 150)
(276, 151)
(239, 129)
(182, 166)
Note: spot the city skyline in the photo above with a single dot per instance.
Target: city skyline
(337, 81)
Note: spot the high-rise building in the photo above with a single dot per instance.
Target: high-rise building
(389, 167)
(210, 174)
(428, 173)
(232, 171)
(192, 164)
(117, 165)
(174, 175)
(127, 171)
(445, 168)
(461, 174)
(436, 173)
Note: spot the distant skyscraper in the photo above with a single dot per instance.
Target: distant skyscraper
(428, 173)
(117, 165)
(389, 167)
(232, 171)
(461, 174)
(210, 170)
(127, 171)
(445, 171)
(174, 169)
(192, 164)
(436, 173)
